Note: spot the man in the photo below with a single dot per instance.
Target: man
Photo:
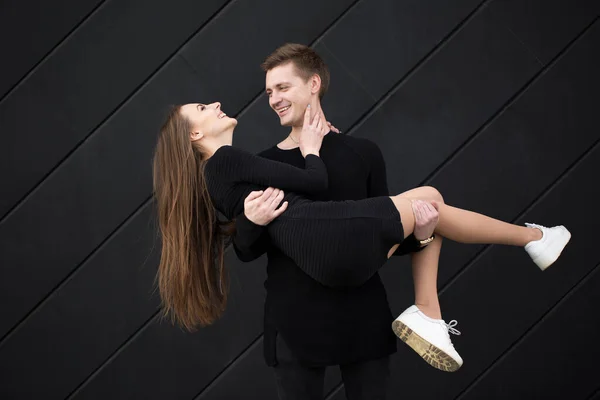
(309, 326)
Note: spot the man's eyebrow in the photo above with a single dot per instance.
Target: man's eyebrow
(278, 85)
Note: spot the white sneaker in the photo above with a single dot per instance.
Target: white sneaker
(545, 251)
(429, 338)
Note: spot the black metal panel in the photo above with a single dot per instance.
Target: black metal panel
(556, 358)
(545, 27)
(503, 294)
(81, 84)
(428, 81)
(229, 52)
(87, 318)
(79, 206)
(163, 361)
(381, 40)
(29, 30)
(447, 99)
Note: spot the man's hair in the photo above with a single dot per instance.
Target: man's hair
(305, 59)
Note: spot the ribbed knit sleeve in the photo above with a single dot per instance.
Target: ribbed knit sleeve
(250, 240)
(247, 167)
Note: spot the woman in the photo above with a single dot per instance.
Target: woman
(197, 172)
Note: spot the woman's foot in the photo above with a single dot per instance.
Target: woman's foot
(545, 251)
(429, 338)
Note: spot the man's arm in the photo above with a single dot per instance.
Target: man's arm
(260, 208)
(377, 186)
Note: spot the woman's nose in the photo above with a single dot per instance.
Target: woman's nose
(217, 105)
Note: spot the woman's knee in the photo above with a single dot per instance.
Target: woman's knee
(433, 194)
(423, 193)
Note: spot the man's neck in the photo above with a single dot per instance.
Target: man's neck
(293, 138)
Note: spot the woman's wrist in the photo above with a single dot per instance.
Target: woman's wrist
(314, 153)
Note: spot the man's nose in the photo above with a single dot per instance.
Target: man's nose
(274, 100)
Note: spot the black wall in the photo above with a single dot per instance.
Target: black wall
(492, 102)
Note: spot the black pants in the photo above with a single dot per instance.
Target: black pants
(362, 381)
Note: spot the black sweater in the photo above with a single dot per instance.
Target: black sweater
(323, 325)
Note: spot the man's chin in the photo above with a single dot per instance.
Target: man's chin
(286, 122)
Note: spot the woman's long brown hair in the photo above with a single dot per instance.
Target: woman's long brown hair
(192, 280)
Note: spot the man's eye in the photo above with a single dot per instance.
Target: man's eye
(202, 108)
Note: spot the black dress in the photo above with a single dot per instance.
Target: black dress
(337, 243)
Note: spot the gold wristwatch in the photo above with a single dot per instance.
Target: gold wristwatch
(425, 242)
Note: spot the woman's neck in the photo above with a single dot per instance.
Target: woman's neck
(211, 145)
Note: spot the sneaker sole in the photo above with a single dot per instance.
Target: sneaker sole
(433, 355)
(560, 242)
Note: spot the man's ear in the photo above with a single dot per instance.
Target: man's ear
(315, 84)
(196, 136)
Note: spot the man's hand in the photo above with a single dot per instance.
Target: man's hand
(260, 207)
(426, 218)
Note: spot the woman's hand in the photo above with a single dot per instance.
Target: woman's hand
(312, 133)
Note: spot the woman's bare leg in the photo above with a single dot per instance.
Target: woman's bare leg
(466, 226)
(421, 327)
(456, 224)
(425, 273)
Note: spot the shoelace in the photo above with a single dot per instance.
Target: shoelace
(450, 329)
(451, 326)
(532, 225)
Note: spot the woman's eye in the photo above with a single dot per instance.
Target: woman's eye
(202, 108)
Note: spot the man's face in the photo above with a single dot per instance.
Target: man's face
(289, 94)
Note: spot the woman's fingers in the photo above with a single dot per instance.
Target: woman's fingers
(319, 125)
(307, 116)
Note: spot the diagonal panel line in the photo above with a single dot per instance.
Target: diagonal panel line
(51, 52)
(490, 121)
(68, 277)
(128, 98)
(528, 208)
(544, 192)
(594, 393)
(367, 114)
(530, 331)
(509, 103)
(215, 381)
(334, 391)
(153, 318)
(335, 22)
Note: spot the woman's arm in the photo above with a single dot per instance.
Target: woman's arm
(250, 240)
(254, 169)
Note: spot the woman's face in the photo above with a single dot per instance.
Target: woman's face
(207, 120)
